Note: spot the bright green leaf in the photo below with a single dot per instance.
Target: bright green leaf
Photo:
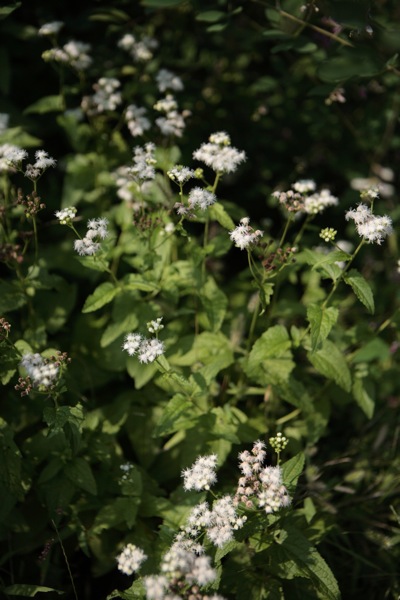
(102, 295)
(321, 322)
(45, 105)
(361, 288)
(330, 362)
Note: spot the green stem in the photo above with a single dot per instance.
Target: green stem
(290, 219)
(343, 273)
(35, 235)
(66, 559)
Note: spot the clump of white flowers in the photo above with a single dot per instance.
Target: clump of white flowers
(51, 28)
(89, 245)
(105, 98)
(147, 350)
(9, 155)
(143, 162)
(155, 326)
(66, 215)
(73, 53)
(166, 80)
(371, 228)
(136, 121)
(198, 198)
(141, 50)
(180, 174)
(173, 123)
(299, 199)
(201, 475)
(42, 372)
(261, 486)
(130, 559)
(219, 155)
(15, 156)
(244, 235)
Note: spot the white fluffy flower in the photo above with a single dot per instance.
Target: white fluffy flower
(136, 121)
(180, 174)
(51, 28)
(166, 80)
(132, 343)
(372, 228)
(244, 235)
(130, 559)
(41, 372)
(143, 162)
(304, 185)
(201, 475)
(66, 215)
(200, 198)
(316, 203)
(273, 494)
(219, 155)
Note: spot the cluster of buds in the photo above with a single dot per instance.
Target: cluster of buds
(278, 443)
(291, 200)
(328, 234)
(31, 203)
(10, 253)
(276, 259)
(5, 327)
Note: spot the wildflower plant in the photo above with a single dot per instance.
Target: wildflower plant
(178, 282)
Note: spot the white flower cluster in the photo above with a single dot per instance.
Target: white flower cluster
(154, 326)
(180, 174)
(51, 28)
(105, 98)
(10, 157)
(66, 215)
(244, 235)
(181, 567)
(16, 155)
(73, 53)
(89, 245)
(371, 228)
(198, 198)
(219, 155)
(136, 121)
(143, 162)
(201, 475)
(140, 50)
(166, 80)
(316, 203)
(260, 486)
(219, 523)
(130, 559)
(298, 200)
(173, 123)
(41, 372)
(146, 349)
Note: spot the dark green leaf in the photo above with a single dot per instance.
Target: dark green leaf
(361, 288)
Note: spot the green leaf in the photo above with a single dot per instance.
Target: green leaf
(321, 322)
(292, 469)
(270, 360)
(29, 591)
(351, 62)
(177, 415)
(161, 3)
(292, 546)
(45, 105)
(80, 474)
(361, 288)
(135, 592)
(210, 16)
(363, 399)
(11, 297)
(214, 302)
(102, 295)
(330, 362)
(136, 282)
(8, 9)
(218, 213)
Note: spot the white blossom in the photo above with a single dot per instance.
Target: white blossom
(201, 198)
(136, 121)
(244, 235)
(66, 215)
(143, 162)
(140, 50)
(105, 98)
(316, 203)
(155, 586)
(304, 185)
(166, 80)
(372, 228)
(51, 28)
(219, 155)
(154, 326)
(73, 53)
(201, 475)
(41, 372)
(273, 494)
(130, 559)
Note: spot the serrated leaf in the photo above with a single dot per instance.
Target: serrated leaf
(292, 469)
(293, 547)
(29, 591)
(363, 399)
(330, 362)
(136, 282)
(218, 213)
(361, 288)
(321, 322)
(45, 105)
(270, 360)
(80, 474)
(214, 302)
(177, 415)
(102, 295)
